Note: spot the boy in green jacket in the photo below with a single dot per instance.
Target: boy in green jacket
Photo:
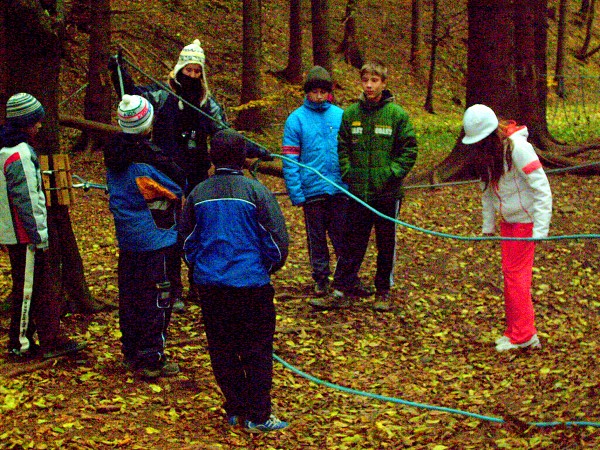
(377, 148)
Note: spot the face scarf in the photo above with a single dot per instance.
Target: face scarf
(191, 88)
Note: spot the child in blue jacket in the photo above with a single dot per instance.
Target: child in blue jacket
(145, 200)
(235, 238)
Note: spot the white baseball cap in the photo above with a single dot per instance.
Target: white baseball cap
(479, 122)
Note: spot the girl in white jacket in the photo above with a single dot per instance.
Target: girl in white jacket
(514, 186)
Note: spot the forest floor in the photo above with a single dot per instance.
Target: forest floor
(434, 348)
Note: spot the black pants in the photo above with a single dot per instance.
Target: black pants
(240, 325)
(359, 224)
(324, 215)
(144, 309)
(41, 312)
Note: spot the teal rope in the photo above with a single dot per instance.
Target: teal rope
(430, 232)
(421, 405)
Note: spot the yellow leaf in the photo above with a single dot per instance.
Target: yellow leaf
(155, 387)
(151, 430)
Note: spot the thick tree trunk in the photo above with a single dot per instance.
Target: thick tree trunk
(252, 117)
(320, 34)
(97, 102)
(38, 33)
(293, 71)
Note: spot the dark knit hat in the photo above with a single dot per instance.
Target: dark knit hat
(23, 110)
(318, 77)
(228, 149)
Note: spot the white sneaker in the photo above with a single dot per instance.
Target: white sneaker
(503, 346)
(502, 339)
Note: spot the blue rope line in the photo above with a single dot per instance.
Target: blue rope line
(422, 405)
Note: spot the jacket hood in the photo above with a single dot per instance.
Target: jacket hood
(514, 131)
(11, 136)
(386, 97)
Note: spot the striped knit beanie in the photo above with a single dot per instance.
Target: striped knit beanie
(23, 110)
(191, 54)
(135, 114)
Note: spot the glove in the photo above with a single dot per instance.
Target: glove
(265, 155)
(115, 61)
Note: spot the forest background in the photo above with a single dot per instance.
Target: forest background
(435, 347)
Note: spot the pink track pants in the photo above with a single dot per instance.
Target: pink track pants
(517, 265)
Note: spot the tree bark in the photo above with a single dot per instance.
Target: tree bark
(251, 118)
(416, 36)
(349, 47)
(559, 76)
(589, 23)
(97, 101)
(320, 34)
(293, 71)
(37, 32)
(433, 55)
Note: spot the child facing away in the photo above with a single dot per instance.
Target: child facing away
(515, 186)
(235, 238)
(24, 231)
(145, 194)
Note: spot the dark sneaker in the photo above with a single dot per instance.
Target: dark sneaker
(168, 370)
(178, 305)
(382, 301)
(333, 302)
(66, 348)
(273, 424)
(358, 290)
(322, 288)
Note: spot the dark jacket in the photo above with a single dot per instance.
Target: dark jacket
(235, 234)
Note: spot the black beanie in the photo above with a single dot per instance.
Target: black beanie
(228, 149)
(318, 77)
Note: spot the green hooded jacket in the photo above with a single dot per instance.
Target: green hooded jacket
(377, 148)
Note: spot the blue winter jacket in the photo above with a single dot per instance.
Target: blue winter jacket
(235, 233)
(310, 137)
(144, 203)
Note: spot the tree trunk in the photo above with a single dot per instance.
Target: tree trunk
(38, 33)
(583, 51)
(293, 71)
(251, 118)
(349, 47)
(434, 42)
(320, 34)
(506, 70)
(559, 75)
(416, 37)
(3, 64)
(97, 102)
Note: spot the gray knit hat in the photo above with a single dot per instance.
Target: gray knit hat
(318, 77)
(23, 110)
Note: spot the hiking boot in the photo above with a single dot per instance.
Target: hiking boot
(272, 424)
(67, 347)
(505, 345)
(382, 301)
(169, 369)
(178, 305)
(322, 288)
